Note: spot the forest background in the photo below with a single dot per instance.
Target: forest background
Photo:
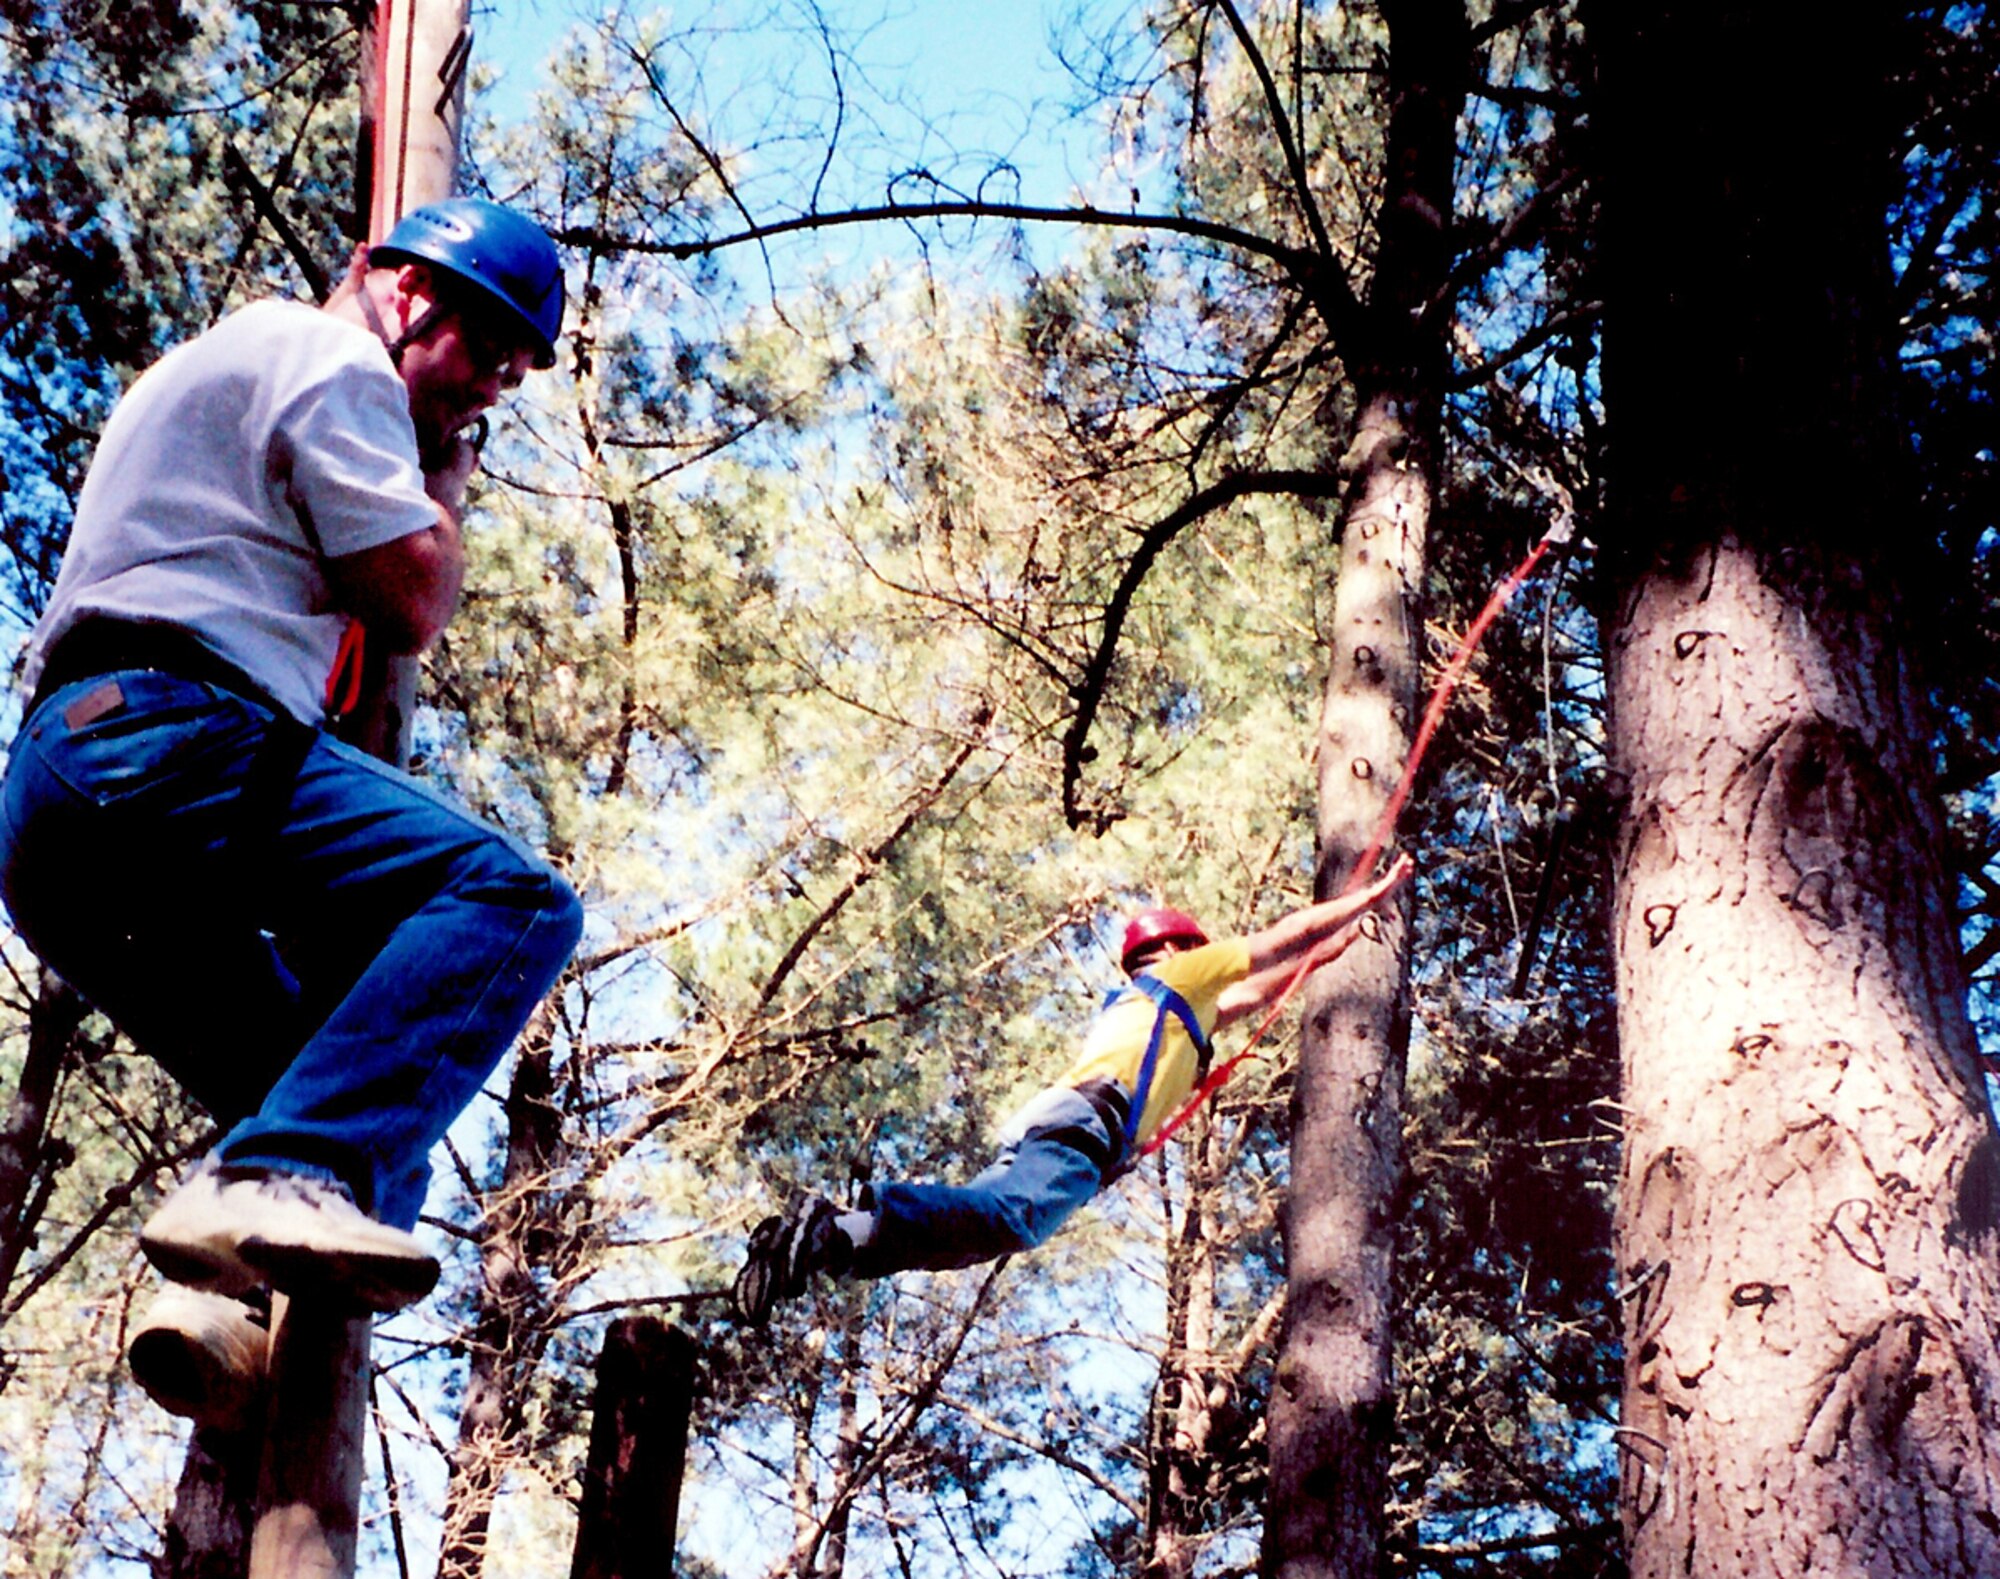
(866, 615)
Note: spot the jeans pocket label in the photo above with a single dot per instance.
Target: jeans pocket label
(94, 704)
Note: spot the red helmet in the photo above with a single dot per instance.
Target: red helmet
(1163, 923)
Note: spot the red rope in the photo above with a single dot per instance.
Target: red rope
(1454, 671)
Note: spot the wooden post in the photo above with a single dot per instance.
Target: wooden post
(414, 55)
(315, 1416)
(309, 1485)
(638, 1450)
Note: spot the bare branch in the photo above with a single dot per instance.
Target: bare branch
(1476, 373)
(866, 862)
(1282, 124)
(266, 204)
(1301, 264)
(1508, 93)
(1575, 1535)
(1089, 691)
(1522, 226)
(918, 1400)
(991, 1426)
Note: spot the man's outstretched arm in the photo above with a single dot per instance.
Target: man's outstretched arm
(1276, 950)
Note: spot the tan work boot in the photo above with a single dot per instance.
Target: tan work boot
(203, 1355)
(228, 1232)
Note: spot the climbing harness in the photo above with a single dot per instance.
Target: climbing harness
(1560, 535)
(343, 680)
(1168, 1003)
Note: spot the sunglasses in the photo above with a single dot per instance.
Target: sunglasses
(489, 346)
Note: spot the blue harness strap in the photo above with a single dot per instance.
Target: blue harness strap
(1170, 1003)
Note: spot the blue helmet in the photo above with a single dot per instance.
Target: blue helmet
(509, 258)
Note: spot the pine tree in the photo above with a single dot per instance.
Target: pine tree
(1808, 1208)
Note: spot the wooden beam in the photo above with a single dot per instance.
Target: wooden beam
(638, 1450)
(412, 107)
(316, 1405)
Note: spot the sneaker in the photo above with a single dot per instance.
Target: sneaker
(204, 1355)
(227, 1231)
(785, 1251)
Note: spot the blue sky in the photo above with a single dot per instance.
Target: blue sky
(972, 92)
(982, 71)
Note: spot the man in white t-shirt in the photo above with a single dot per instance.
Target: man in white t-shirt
(328, 954)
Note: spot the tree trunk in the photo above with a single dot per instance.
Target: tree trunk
(630, 1515)
(208, 1533)
(510, 1328)
(1181, 1469)
(1333, 1403)
(850, 1446)
(804, 1394)
(1807, 1229)
(25, 1160)
(1332, 1407)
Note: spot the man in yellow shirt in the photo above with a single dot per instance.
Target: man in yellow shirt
(1140, 1062)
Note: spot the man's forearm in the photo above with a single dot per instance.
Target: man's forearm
(1263, 987)
(447, 575)
(1291, 937)
(405, 591)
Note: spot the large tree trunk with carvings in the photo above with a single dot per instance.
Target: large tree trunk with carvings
(1811, 1182)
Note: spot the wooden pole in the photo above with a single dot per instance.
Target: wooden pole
(309, 1483)
(638, 1450)
(316, 1406)
(414, 55)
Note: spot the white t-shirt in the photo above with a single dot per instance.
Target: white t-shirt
(230, 469)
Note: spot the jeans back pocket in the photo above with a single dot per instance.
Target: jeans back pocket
(154, 732)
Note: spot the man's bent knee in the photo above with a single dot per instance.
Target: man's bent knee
(563, 913)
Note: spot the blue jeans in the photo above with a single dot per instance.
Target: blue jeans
(1055, 1154)
(334, 978)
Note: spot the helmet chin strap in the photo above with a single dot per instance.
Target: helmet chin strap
(429, 450)
(416, 331)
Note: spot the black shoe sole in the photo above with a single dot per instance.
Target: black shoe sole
(756, 1288)
(376, 1283)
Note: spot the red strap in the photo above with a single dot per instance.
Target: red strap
(343, 680)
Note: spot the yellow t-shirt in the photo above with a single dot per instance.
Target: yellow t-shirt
(1116, 1045)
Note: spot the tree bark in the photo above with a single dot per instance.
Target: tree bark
(208, 1534)
(25, 1160)
(850, 1455)
(627, 1525)
(803, 1395)
(1811, 1181)
(510, 1326)
(1332, 1405)
(1181, 1467)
